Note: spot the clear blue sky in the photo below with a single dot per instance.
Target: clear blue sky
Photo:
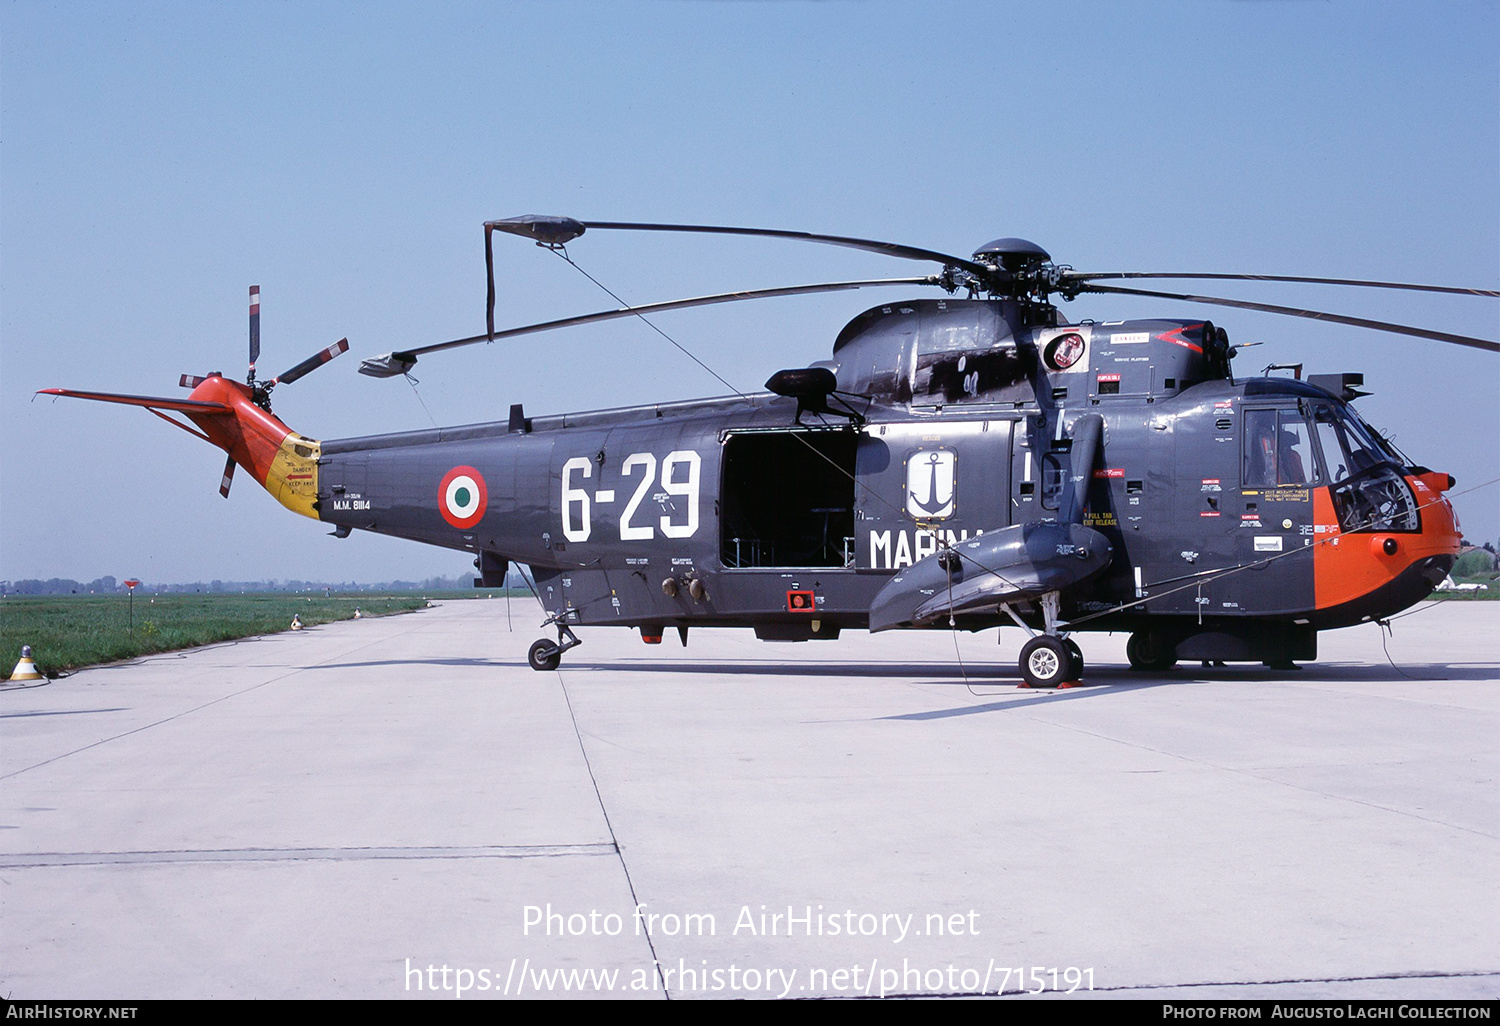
(155, 159)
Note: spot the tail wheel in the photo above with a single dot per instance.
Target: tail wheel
(1046, 662)
(544, 655)
(1148, 653)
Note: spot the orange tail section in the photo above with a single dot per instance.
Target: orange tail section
(282, 461)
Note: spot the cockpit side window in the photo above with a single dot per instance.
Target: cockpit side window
(1294, 459)
(1278, 450)
(1260, 449)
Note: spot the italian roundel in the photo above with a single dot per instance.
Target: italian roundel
(462, 497)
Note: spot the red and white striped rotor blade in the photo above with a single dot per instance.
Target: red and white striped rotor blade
(312, 363)
(254, 327)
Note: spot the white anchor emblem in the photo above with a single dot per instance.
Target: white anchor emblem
(930, 484)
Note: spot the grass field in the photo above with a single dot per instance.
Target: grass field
(69, 631)
(1490, 594)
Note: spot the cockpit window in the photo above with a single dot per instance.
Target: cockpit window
(1347, 446)
(1335, 456)
(1278, 450)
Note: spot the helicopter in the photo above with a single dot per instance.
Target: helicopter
(960, 462)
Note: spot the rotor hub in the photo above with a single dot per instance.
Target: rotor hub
(1012, 255)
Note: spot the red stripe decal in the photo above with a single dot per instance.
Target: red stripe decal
(1175, 337)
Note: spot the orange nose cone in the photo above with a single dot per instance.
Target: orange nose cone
(1440, 530)
(1349, 567)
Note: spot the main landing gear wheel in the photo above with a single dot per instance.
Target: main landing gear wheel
(1046, 662)
(544, 655)
(1148, 654)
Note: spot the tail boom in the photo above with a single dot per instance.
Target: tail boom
(284, 462)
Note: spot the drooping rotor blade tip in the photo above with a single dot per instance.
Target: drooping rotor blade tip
(389, 365)
(546, 229)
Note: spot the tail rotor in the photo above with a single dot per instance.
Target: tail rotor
(237, 418)
(261, 393)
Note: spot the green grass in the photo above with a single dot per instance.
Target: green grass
(1487, 579)
(69, 631)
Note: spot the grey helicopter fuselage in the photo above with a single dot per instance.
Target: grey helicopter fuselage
(958, 463)
(1114, 467)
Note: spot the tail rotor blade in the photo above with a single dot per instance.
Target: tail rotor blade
(254, 328)
(228, 478)
(191, 381)
(312, 363)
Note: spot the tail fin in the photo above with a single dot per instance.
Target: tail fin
(284, 462)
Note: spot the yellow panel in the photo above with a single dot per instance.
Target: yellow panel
(293, 477)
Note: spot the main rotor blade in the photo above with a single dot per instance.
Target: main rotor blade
(554, 231)
(1452, 290)
(394, 364)
(893, 249)
(312, 363)
(1292, 311)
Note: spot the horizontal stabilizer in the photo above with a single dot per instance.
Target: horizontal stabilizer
(155, 402)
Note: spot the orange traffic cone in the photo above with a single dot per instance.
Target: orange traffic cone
(26, 669)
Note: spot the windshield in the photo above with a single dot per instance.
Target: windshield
(1379, 441)
(1375, 499)
(1347, 445)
